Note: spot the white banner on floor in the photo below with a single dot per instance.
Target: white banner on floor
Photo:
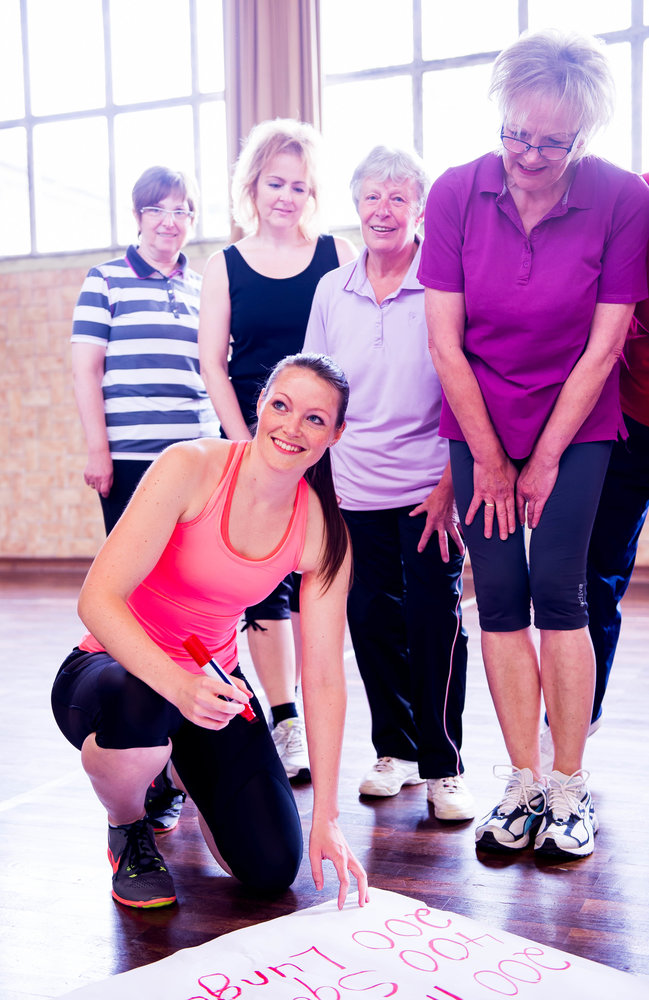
(394, 946)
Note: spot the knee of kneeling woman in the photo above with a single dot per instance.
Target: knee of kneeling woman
(267, 868)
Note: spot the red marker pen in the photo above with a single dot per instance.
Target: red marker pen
(209, 666)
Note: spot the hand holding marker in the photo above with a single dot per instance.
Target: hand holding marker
(209, 666)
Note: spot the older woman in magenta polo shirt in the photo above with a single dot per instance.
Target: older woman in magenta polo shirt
(532, 263)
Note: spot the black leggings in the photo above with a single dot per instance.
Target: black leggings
(233, 774)
(554, 580)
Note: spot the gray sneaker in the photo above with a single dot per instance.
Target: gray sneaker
(289, 737)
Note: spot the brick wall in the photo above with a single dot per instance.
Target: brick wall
(46, 510)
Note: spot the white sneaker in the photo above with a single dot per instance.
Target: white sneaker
(569, 823)
(450, 797)
(389, 775)
(547, 744)
(512, 823)
(289, 738)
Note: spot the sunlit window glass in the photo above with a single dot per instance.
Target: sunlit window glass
(614, 142)
(358, 116)
(143, 139)
(14, 192)
(214, 170)
(592, 17)
(359, 34)
(12, 104)
(71, 185)
(151, 50)
(462, 129)
(209, 39)
(457, 29)
(66, 55)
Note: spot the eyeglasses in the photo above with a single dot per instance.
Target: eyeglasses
(157, 214)
(547, 152)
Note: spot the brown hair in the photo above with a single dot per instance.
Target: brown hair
(319, 476)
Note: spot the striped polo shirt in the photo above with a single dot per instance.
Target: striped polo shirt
(148, 323)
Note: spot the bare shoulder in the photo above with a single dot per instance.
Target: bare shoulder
(345, 249)
(191, 470)
(215, 272)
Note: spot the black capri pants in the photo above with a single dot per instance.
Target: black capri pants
(554, 580)
(233, 774)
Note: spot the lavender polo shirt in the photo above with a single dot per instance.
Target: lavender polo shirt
(390, 454)
(530, 300)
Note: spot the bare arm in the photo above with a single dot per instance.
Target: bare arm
(322, 621)
(441, 516)
(346, 250)
(87, 374)
(214, 348)
(130, 552)
(494, 476)
(577, 398)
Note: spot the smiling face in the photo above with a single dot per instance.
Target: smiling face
(161, 240)
(542, 124)
(297, 418)
(389, 214)
(282, 191)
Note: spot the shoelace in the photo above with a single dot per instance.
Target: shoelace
(140, 850)
(451, 783)
(518, 791)
(295, 736)
(383, 764)
(564, 796)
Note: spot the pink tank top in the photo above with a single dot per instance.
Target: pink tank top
(201, 585)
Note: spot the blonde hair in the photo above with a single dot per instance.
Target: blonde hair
(265, 141)
(569, 67)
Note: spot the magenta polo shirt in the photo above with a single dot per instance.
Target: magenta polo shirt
(530, 300)
(390, 454)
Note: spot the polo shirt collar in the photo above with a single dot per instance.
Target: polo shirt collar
(491, 180)
(144, 270)
(359, 282)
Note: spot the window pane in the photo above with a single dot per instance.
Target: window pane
(459, 130)
(66, 55)
(164, 136)
(358, 116)
(456, 29)
(214, 171)
(590, 16)
(615, 142)
(150, 50)
(71, 185)
(359, 34)
(12, 104)
(14, 194)
(209, 39)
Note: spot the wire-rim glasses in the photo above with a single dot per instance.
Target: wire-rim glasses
(519, 146)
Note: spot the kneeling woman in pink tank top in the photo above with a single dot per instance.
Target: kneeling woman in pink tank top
(211, 529)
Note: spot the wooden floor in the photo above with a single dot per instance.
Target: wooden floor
(60, 929)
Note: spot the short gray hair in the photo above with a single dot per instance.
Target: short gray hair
(385, 163)
(567, 66)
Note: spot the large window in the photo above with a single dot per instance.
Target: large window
(415, 73)
(91, 93)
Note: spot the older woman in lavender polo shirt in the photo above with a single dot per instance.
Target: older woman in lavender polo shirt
(533, 259)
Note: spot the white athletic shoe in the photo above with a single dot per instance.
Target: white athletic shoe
(450, 798)
(289, 738)
(389, 775)
(569, 823)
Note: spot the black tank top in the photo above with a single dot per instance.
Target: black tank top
(269, 318)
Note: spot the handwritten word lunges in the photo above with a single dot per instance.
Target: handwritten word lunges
(311, 974)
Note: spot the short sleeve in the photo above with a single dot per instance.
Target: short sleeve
(315, 339)
(441, 264)
(623, 277)
(92, 318)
